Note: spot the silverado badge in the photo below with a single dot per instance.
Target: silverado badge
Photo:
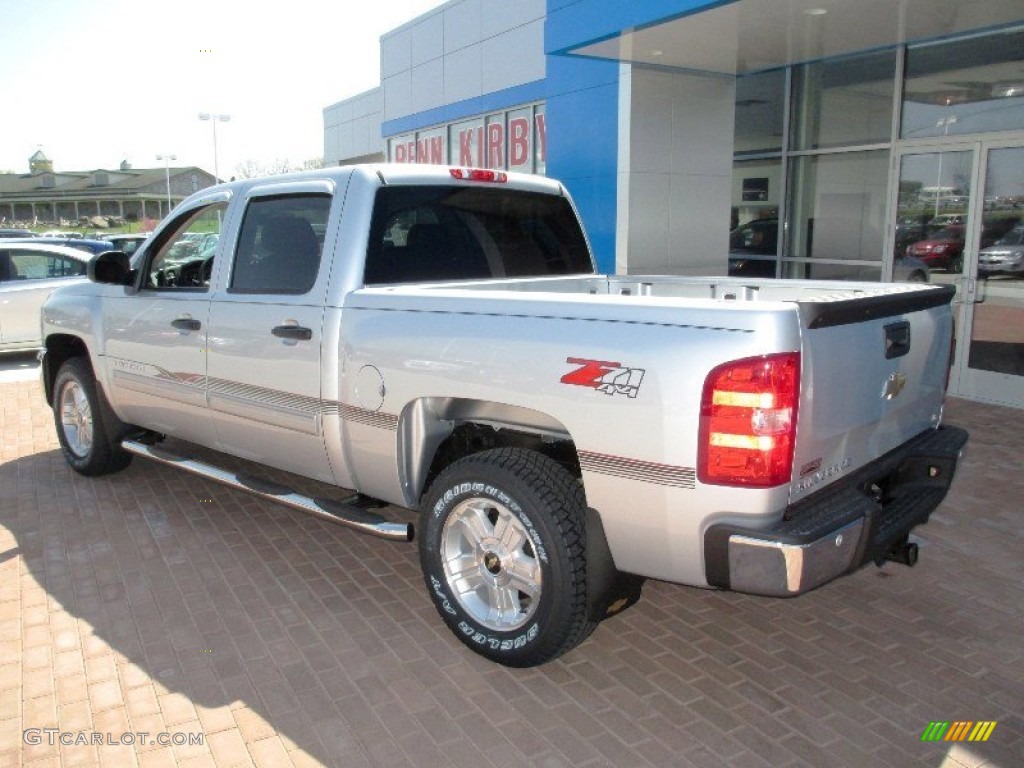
(893, 386)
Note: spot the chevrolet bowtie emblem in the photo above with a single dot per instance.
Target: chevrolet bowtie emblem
(893, 385)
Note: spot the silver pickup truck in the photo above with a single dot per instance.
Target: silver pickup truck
(437, 339)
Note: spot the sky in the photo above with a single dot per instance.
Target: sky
(95, 82)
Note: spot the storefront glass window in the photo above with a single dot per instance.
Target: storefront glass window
(968, 86)
(760, 110)
(843, 102)
(837, 210)
(754, 223)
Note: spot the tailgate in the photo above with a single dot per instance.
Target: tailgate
(874, 374)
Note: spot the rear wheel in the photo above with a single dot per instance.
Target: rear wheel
(81, 430)
(502, 545)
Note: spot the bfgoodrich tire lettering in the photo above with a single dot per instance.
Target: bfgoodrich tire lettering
(81, 430)
(502, 549)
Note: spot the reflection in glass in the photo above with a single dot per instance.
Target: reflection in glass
(760, 106)
(967, 86)
(931, 223)
(754, 223)
(843, 103)
(838, 206)
(813, 271)
(997, 330)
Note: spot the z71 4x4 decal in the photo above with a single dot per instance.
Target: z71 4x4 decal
(610, 378)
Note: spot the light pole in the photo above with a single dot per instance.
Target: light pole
(167, 175)
(214, 119)
(943, 123)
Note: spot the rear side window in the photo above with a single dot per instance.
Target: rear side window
(464, 233)
(32, 265)
(280, 244)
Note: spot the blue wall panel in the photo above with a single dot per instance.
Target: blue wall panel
(571, 23)
(582, 130)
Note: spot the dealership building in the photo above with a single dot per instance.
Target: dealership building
(849, 139)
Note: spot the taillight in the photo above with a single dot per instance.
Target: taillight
(479, 174)
(748, 421)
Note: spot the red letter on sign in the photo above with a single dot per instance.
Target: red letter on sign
(436, 150)
(495, 148)
(542, 137)
(400, 153)
(466, 147)
(518, 141)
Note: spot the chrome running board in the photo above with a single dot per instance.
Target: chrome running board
(347, 512)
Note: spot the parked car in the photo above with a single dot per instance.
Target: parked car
(753, 245)
(1006, 255)
(485, 377)
(944, 220)
(945, 249)
(942, 250)
(81, 243)
(128, 243)
(909, 229)
(29, 273)
(8, 232)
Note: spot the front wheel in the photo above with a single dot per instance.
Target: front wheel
(502, 545)
(81, 431)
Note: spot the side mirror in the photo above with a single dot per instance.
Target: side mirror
(111, 268)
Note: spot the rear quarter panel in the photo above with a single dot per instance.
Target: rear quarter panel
(635, 432)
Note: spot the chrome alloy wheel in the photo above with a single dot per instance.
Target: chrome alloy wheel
(490, 564)
(76, 419)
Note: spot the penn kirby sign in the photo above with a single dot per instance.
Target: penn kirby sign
(512, 140)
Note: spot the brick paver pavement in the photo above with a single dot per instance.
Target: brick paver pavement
(154, 601)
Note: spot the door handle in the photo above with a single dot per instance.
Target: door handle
(292, 332)
(187, 324)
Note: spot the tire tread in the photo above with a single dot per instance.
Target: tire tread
(561, 497)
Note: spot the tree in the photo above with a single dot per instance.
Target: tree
(251, 169)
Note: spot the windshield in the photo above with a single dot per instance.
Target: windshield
(458, 233)
(1013, 237)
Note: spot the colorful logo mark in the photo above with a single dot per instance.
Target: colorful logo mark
(958, 730)
(606, 377)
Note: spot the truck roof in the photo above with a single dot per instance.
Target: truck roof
(384, 174)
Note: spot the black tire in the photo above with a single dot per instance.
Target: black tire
(495, 527)
(956, 264)
(82, 430)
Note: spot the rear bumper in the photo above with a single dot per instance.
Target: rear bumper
(841, 527)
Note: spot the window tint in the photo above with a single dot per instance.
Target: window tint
(32, 265)
(456, 233)
(280, 244)
(182, 259)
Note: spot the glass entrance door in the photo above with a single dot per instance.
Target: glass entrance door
(990, 350)
(960, 219)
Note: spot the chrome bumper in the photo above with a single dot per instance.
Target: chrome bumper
(840, 528)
